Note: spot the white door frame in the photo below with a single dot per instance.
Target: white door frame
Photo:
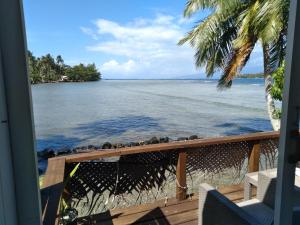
(8, 212)
(19, 190)
(289, 147)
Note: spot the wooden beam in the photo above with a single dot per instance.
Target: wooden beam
(181, 187)
(253, 164)
(181, 145)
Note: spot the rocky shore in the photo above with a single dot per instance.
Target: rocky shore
(51, 152)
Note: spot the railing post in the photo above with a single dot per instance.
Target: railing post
(181, 176)
(253, 164)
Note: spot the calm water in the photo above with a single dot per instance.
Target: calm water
(77, 114)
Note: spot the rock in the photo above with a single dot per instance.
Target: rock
(107, 145)
(134, 143)
(182, 139)
(64, 151)
(46, 153)
(131, 144)
(141, 143)
(80, 149)
(193, 137)
(40, 171)
(83, 148)
(164, 140)
(126, 145)
(119, 145)
(153, 140)
(91, 147)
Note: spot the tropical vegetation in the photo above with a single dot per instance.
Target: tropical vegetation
(46, 69)
(225, 39)
(250, 75)
(277, 87)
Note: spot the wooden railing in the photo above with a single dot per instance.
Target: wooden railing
(181, 145)
(54, 176)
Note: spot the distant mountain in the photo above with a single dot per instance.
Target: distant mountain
(191, 77)
(203, 76)
(183, 77)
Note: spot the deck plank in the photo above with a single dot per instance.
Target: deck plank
(158, 213)
(173, 213)
(52, 189)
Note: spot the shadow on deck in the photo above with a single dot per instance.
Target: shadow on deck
(174, 212)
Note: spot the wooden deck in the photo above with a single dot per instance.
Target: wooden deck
(175, 212)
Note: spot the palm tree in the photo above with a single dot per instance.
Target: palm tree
(60, 65)
(225, 39)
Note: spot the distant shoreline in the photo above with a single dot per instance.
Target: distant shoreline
(136, 79)
(251, 76)
(211, 79)
(56, 82)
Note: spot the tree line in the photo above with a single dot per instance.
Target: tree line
(250, 75)
(47, 69)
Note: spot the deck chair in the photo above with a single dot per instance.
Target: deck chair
(216, 209)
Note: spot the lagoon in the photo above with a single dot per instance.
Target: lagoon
(120, 111)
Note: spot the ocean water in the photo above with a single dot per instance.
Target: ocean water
(120, 111)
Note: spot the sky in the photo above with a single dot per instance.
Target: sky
(126, 39)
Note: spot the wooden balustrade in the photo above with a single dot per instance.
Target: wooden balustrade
(181, 187)
(253, 163)
(55, 174)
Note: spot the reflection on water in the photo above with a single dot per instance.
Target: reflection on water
(75, 114)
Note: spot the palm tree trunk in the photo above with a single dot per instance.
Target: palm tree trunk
(268, 85)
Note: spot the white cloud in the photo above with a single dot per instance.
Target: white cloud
(164, 19)
(115, 67)
(185, 20)
(89, 32)
(143, 47)
(160, 29)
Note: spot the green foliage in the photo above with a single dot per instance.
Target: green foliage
(252, 75)
(83, 73)
(41, 180)
(277, 114)
(277, 87)
(278, 82)
(47, 69)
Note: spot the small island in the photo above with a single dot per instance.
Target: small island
(251, 75)
(46, 69)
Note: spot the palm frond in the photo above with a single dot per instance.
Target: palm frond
(193, 6)
(212, 38)
(238, 60)
(225, 39)
(277, 52)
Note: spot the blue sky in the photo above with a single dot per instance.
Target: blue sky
(124, 38)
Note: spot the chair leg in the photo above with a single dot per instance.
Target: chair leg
(247, 190)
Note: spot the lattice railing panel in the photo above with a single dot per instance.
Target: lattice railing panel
(145, 177)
